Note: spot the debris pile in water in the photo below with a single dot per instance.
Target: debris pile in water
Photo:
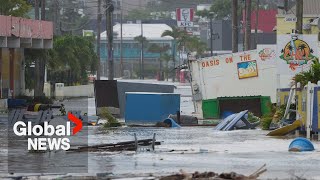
(212, 175)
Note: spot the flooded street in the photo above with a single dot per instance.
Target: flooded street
(190, 149)
(204, 149)
(201, 149)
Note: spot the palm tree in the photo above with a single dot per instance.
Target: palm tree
(143, 41)
(156, 48)
(194, 44)
(313, 75)
(175, 33)
(166, 57)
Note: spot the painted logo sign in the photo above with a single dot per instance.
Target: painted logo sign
(247, 69)
(185, 17)
(266, 54)
(297, 53)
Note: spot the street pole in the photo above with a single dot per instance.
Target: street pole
(36, 9)
(211, 33)
(299, 14)
(256, 26)
(142, 56)
(248, 25)
(234, 26)
(174, 60)
(42, 63)
(37, 60)
(99, 18)
(109, 28)
(121, 41)
(43, 10)
(211, 37)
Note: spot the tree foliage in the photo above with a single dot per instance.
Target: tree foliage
(156, 48)
(18, 8)
(74, 56)
(194, 44)
(140, 39)
(183, 39)
(166, 58)
(69, 62)
(175, 33)
(313, 75)
(137, 14)
(221, 9)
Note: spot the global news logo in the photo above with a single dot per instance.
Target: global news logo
(48, 137)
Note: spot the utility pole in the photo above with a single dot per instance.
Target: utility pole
(121, 41)
(109, 28)
(99, 18)
(43, 60)
(55, 17)
(234, 26)
(36, 9)
(286, 6)
(36, 61)
(243, 24)
(211, 33)
(256, 25)
(299, 14)
(174, 60)
(248, 25)
(142, 55)
(43, 10)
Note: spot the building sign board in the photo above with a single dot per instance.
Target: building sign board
(185, 17)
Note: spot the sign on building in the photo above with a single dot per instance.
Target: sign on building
(185, 17)
(290, 19)
(296, 53)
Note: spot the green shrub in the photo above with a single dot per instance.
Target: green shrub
(105, 114)
(252, 118)
(266, 121)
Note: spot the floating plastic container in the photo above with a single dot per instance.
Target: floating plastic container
(301, 144)
(150, 108)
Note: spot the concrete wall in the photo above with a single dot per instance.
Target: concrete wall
(79, 91)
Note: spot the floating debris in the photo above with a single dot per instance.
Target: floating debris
(212, 175)
(121, 146)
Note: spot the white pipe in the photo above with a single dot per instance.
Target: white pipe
(309, 109)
